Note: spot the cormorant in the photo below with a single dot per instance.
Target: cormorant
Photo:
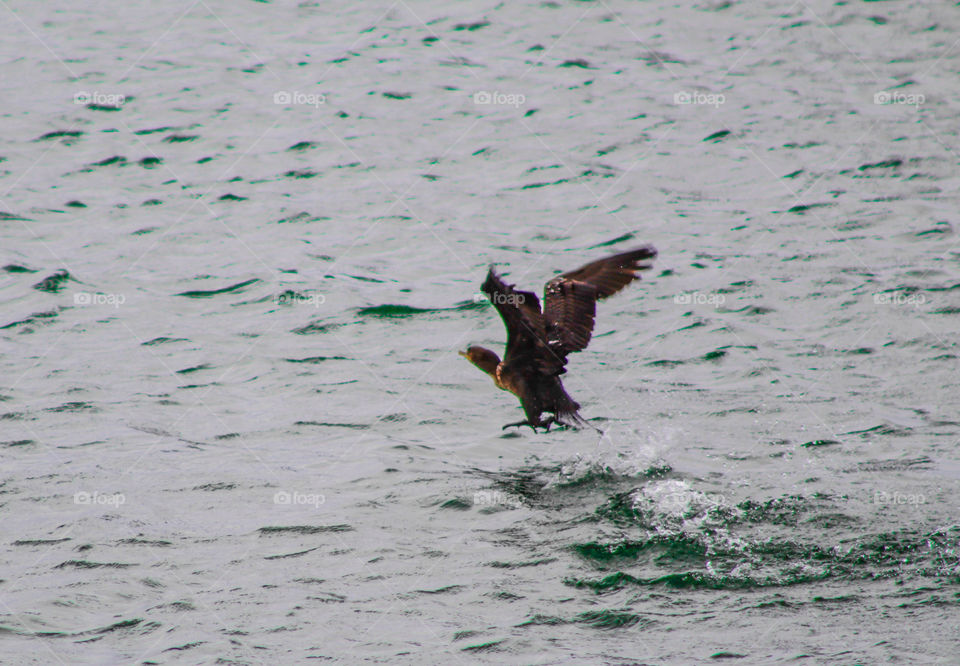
(538, 341)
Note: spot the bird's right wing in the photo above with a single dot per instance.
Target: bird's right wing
(570, 300)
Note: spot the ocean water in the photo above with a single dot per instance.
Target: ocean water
(241, 244)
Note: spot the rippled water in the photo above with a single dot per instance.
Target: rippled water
(242, 244)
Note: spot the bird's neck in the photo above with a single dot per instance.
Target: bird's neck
(494, 368)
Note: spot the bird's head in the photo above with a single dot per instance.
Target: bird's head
(483, 358)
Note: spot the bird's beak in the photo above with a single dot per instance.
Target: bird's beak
(463, 354)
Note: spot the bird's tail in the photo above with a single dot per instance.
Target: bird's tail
(568, 412)
(574, 420)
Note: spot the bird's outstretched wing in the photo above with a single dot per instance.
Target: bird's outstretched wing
(570, 300)
(525, 323)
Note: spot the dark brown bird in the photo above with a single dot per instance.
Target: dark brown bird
(538, 341)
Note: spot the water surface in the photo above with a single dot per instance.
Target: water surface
(242, 244)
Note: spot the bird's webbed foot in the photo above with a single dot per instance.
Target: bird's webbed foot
(545, 424)
(553, 420)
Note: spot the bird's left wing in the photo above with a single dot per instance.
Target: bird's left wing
(525, 323)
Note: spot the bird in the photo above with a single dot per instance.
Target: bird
(539, 340)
